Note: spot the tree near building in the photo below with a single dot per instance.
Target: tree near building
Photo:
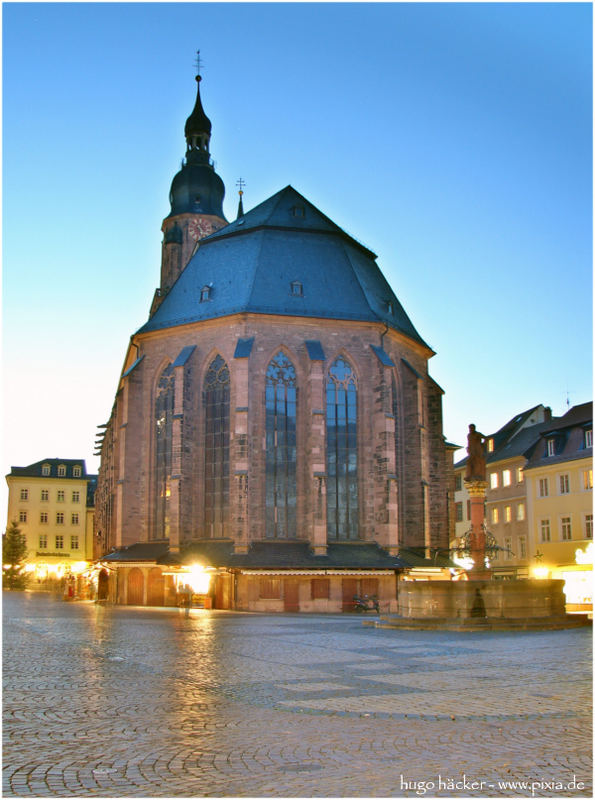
(14, 552)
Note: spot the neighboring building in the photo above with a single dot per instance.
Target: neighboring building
(559, 479)
(52, 502)
(274, 421)
(506, 501)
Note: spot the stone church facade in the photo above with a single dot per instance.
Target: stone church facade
(275, 422)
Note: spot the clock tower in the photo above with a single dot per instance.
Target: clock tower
(196, 199)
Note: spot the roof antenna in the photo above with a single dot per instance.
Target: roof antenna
(240, 183)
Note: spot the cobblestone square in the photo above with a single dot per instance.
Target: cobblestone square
(135, 702)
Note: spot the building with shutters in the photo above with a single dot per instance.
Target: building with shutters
(275, 427)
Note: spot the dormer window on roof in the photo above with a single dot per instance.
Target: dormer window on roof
(490, 445)
(61, 470)
(297, 289)
(550, 447)
(589, 438)
(298, 211)
(76, 471)
(45, 469)
(205, 293)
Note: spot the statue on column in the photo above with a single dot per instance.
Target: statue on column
(476, 462)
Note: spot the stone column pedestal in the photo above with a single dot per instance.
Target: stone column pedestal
(477, 493)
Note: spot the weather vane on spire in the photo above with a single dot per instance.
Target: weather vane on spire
(240, 183)
(198, 62)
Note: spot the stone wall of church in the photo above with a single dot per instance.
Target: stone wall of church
(402, 461)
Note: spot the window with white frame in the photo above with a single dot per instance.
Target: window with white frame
(459, 512)
(74, 520)
(566, 528)
(24, 494)
(588, 526)
(587, 479)
(520, 512)
(564, 483)
(45, 495)
(45, 470)
(60, 518)
(61, 470)
(59, 542)
(522, 546)
(43, 541)
(22, 516)
(507, 513)
(544, 487)
(550, 447)
(43, 517)
(506, 477)
(60, 496)
(589, 437)
(74, 542)
(76, 497)
(493, 480)
(76, 471)
(546, 534)
(520, 475)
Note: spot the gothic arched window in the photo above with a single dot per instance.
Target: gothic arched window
(280, 449)
(216, 404)
(164, 412)
(341, 452)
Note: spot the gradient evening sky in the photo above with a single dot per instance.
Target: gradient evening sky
(454, 140)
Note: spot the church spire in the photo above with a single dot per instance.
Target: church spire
(196, 199)
(198, 126)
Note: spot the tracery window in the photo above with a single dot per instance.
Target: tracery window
(164, 412)
(281, 451)
(216, 405)
(341, 452)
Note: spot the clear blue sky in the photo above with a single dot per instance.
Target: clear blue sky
(452, 139)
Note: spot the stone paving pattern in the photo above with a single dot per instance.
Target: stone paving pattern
(132, 702)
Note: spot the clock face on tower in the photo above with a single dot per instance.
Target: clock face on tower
(198, 228)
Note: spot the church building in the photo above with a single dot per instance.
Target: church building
(276, 439)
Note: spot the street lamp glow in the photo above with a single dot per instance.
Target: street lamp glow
(199, 579)
(540, 572)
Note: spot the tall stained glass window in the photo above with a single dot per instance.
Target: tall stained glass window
(341, 452)
(216, 404)
(280, 449)
(164, 412)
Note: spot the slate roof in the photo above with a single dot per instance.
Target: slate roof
(35, 470)
(251, 263)
(568, 435)
(275, 555)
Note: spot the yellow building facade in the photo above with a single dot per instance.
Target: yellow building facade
(559, 478)
(52, 503)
